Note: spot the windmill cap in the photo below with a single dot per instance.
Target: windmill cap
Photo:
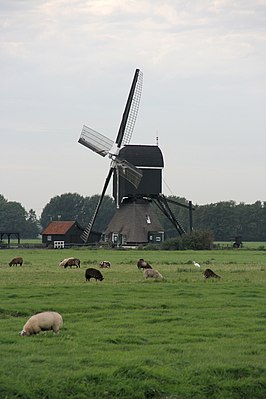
(143, 155)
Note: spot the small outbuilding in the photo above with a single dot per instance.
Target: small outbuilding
(60, 234)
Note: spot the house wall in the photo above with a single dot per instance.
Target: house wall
(71, 237)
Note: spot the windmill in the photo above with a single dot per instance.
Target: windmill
(137, 180)
(102, 145)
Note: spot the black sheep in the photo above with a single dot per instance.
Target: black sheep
(208, 273)
(93, 273)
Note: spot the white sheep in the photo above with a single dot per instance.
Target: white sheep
(42, 322)
(105, 264)
(152, 273)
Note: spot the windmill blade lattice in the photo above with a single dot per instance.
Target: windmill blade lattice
(95, 141)
(131, 110)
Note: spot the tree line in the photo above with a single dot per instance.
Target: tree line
(225, 219)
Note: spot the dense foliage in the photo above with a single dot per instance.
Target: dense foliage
(196, 240)
(14, 218)
(228, 219)
(225, 220)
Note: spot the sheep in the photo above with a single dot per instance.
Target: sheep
(63, 262)
(72, 262)
(143, 265)
(209, 273)
(16, 261)
(105, 264)
(152, 273)
(93, 273)
(69, 262)
(42, 322)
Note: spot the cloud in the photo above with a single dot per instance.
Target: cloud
(65, 63)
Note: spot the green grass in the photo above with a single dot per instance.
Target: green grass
(127, 337)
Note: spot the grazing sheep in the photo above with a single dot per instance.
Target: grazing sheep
(151, 273)
(209, 273)
(42, 322)
(143, 265)
(93, 273)
(16, 261)
(105, 264)
(72, 262)
(69, 262)
(63, 262)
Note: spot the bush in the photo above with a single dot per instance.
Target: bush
(197, 240)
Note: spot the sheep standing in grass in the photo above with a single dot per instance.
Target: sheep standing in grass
(208, 273)
(105, 264)
(142, 264)
(16, 261)
(93, 273)
(69, 262)
(43, 322)
(151, 273)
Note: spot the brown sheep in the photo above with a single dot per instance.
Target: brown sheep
(43, 322)
(72, 262)
(16, 261)
(69, 262)
(143, 265)
(151, 273)
(208, 273)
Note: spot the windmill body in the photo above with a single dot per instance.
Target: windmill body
(135, 221)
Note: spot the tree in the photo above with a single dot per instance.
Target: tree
(33, 228)
(62, 207)
(14, 218)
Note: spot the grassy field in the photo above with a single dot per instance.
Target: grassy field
(131, 338)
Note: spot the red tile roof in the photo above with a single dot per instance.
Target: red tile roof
(58, 227)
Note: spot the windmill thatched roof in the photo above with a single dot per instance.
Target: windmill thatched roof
(134, 220)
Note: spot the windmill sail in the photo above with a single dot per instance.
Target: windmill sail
(129, 171)
(102, 145)
(131, 110)
(95, 141)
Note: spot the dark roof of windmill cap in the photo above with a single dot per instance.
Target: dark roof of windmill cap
(143, 155)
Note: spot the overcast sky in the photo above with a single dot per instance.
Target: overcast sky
(67, 63)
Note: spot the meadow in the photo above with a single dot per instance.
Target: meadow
(131, 338)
